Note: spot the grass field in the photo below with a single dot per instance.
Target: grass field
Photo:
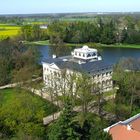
(23, 111)
(41, 43)
(9, 95)
(95, 45)
(8, 31)
(134, 46)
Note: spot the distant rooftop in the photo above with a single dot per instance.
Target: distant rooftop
(126, 130)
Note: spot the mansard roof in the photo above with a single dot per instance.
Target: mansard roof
(92, 67)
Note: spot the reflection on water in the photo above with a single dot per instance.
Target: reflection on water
(110, 55)
(60, 50)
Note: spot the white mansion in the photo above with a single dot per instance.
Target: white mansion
(82, 60)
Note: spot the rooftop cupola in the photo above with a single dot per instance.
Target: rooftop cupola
(85, 53)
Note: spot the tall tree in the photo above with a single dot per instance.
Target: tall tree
(65, 128)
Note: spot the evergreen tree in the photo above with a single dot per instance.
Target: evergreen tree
(65, 128)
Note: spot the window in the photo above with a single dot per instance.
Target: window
(94, 76)
(45, 78)
(83, 55)
(94, 54)
(89, 55)
(54, 73)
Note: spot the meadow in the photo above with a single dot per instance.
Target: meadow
(91, 44)
(22, 111)
(7, 96)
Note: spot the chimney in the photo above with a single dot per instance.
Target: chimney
(53, 56)
(79, 62)
(99, 58)
(129, 127)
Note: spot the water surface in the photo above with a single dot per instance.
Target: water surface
(110, 55)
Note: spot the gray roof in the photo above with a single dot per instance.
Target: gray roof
(93, 67)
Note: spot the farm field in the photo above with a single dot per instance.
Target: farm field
(8, 30)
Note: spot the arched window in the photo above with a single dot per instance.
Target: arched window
(103, 83)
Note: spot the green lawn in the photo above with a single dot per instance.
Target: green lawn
(96, 45)
(134, 46)
(90, 44)
(40, 43)
(22, 111)
(9, 95)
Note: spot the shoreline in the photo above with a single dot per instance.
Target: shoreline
(96, 45)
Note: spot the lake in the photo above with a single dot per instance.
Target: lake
(110, 55)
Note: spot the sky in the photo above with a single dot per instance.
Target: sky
(67, 6)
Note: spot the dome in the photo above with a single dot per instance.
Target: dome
(85, 47)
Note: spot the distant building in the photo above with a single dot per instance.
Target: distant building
(126, 130)
(82, 60)
(43, 26)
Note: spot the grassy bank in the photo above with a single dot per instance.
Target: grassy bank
(133, 46)
(40, 43)
(96, 45)
(10, 95)
(22, 111)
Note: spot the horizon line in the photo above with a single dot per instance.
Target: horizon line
(70, 13)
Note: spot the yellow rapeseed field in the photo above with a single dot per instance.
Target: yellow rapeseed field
(8, 30)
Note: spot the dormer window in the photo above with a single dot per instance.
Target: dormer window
(89, 55)
(94, 54)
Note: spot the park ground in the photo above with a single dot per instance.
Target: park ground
(96, 45)
(14, 94)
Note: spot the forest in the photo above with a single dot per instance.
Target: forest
(103, 30)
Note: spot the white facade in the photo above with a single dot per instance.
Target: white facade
(51, 68)
(43, 27)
